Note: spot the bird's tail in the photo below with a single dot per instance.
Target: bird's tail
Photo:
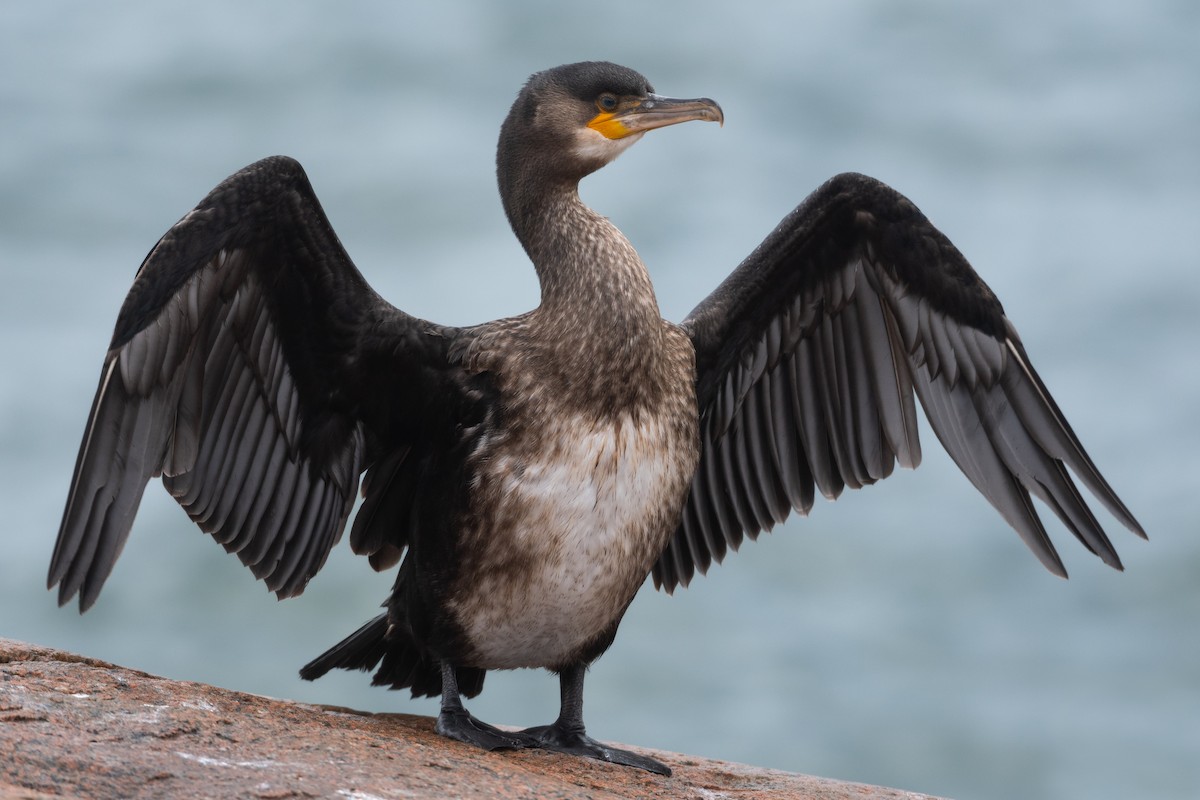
(360, 650)
(405, 665)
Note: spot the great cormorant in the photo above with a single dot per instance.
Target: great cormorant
(527, 474)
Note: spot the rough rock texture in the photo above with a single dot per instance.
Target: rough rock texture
(76, 727)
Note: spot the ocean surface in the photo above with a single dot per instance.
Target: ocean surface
(901, 636)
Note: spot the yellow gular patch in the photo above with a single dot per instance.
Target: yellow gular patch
(609, 126)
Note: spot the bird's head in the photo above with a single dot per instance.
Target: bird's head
(571, 120)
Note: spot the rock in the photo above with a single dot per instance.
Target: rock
(75, 727)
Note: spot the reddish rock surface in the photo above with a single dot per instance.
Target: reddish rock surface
(75, 727)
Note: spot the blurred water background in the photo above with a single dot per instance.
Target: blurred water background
(902, 636)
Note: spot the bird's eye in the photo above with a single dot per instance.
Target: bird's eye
(607, 102)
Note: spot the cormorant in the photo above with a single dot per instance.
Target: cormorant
(527, 474)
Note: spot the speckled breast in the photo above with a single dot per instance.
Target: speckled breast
(573, 530)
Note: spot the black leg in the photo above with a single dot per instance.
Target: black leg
(567, 734)
(454, 722)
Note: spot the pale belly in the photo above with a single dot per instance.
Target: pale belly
(585, 521)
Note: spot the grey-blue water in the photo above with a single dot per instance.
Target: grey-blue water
(902, 635)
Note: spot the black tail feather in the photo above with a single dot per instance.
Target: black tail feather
(360, 650)
(405, 664)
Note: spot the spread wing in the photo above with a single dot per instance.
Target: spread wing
(808, 357)
(236, 371)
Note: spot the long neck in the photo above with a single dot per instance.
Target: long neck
(597, 336)
(589, 272)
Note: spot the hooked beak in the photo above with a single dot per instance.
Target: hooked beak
(637, 115)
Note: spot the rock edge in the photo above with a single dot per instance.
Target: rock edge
(77, 727)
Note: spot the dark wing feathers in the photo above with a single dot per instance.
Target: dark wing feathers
(808, 357)
(230, 374)
(253, 369)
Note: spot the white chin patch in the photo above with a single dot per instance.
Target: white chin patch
(591, 144)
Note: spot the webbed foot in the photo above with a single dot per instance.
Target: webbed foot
(560, 739)
(459, 725)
